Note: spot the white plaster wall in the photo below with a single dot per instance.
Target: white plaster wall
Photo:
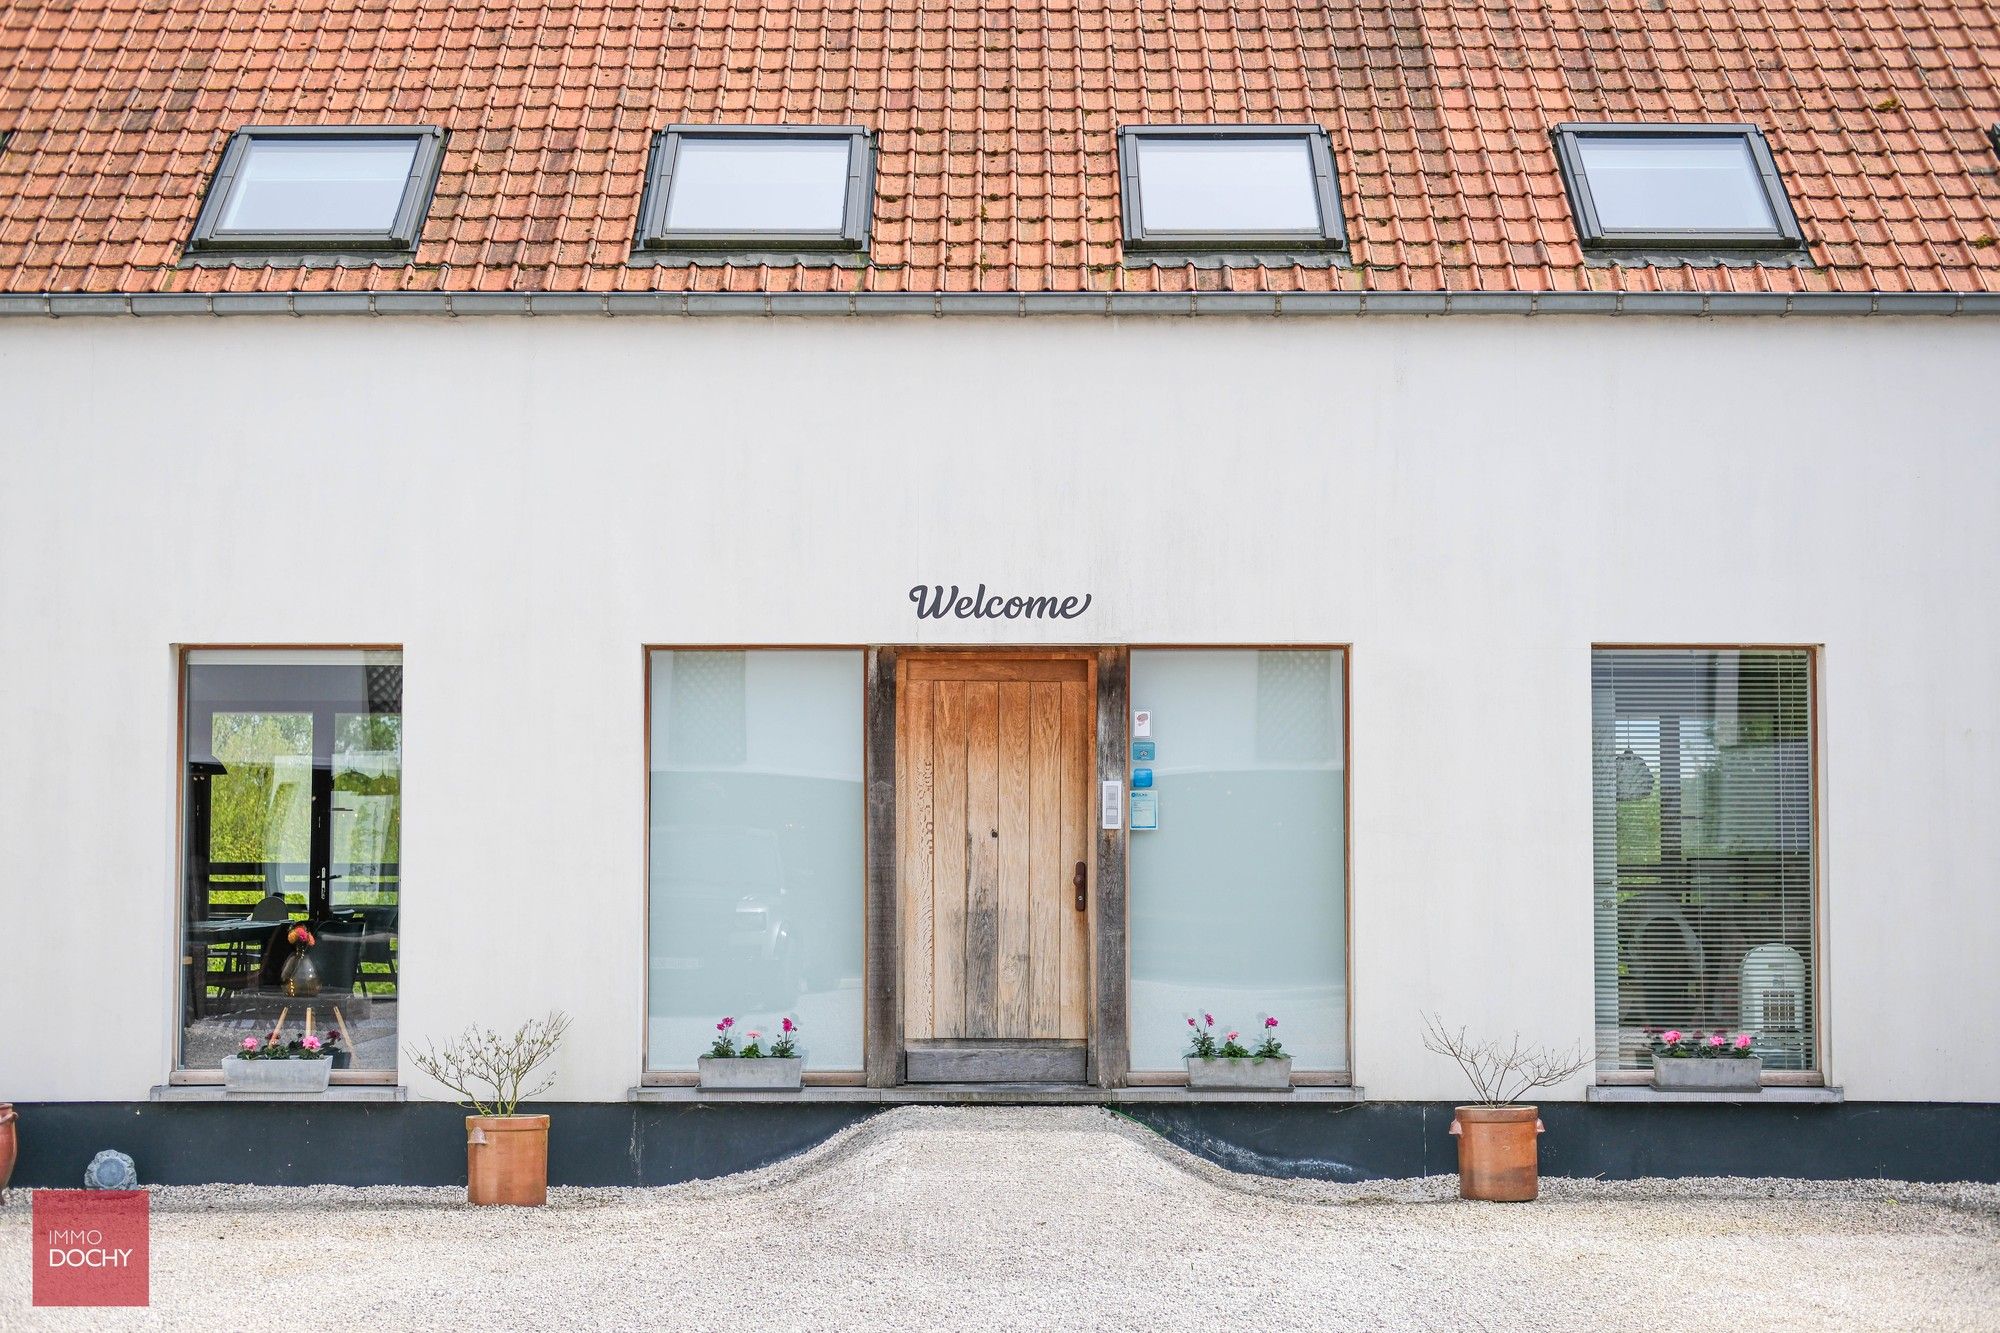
(1470, 502)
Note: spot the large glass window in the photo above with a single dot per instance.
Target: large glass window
(756, 851)
(1675, 186)
(1214, 187)
(287, 191)
(1239, 897)
(292, 811)
(723, 187)
(1703, 797)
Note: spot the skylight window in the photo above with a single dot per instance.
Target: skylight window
(1675, 187)
(305, 190)
(791, 188)
(1194, 188)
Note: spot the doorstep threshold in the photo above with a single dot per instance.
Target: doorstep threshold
(994, 1094)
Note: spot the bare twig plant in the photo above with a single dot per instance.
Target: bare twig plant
(1504, 1072)
(487, 1070)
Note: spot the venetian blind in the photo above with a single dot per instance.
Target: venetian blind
(1703, 849)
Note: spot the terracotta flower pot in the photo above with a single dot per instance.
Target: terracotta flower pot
(9, 1145)
(507, 1159)
(1497, 1157)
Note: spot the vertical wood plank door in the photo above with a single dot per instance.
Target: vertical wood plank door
(995, 759)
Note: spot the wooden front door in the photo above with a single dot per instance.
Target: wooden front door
(995, 759)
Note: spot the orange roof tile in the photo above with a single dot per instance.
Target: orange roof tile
(997, 121)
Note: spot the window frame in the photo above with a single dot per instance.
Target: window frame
(1784, 236)
(210, 241)
(179, 1075)
(649, 1076)
(857, 218)
(1821, 1074)
(1330, 236)
(1304, 1078)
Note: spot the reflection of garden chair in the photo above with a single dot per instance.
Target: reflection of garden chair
(378, 943)
(337, 956)
(243, 957)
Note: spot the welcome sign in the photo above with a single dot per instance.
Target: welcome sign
(935, 603)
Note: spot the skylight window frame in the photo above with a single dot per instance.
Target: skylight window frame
(1331, 234)
(211, 241)
(655, 238)
(1784, 236)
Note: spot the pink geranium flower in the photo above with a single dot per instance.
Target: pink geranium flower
(310, 1043)
(1270, 1022)
(753, 1034)
(1743, 1041)
(728, 1023)
(788, 1025)
(1232, 1036)
(1190, 1022)
(1717, 1039)
(250, 1043)
(1671, 1036)
(1208, 1019)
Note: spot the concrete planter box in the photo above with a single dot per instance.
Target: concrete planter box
(764, 1075)
(1698, 1075)
(1271, 1075)
(240, 1075)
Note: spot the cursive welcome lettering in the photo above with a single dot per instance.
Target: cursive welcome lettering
(935, 603)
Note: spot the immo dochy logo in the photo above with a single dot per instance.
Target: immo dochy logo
(92, 1247)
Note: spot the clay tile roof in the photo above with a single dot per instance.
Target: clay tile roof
(997, 123)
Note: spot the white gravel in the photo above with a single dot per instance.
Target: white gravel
(1039, 1218)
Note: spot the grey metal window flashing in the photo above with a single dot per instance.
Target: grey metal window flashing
(211, 244)
(1243, 248)
(1784, 238)
(655, 243)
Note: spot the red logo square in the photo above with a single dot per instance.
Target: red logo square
(92, 1247)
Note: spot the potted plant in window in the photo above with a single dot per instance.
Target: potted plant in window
(1498, 1157)
(1717, 1062)
(752, 1069)
(1230, 1064)
(272, 1064)
(506, 1155)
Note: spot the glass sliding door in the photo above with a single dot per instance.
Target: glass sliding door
(291, 815)
(1238, 901)
(756, 870)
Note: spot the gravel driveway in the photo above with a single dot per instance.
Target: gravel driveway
(1056, 1218)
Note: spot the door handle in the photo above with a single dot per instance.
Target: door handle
(1082, 880)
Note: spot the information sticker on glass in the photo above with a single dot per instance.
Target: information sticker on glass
(1145, 810)
(1142, 752)
(1142, 723)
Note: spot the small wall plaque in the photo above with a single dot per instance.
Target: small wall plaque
(1145, 810)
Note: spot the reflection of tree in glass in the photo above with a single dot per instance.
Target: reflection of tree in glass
(368, 788)
(260, 805)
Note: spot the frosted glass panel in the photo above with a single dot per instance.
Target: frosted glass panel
(324, 185)
(1707, 183)
(1229, 186)
(752, 184)
(1238, 902)
(756, 851)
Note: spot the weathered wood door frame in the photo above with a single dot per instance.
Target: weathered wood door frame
(1108, 980)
